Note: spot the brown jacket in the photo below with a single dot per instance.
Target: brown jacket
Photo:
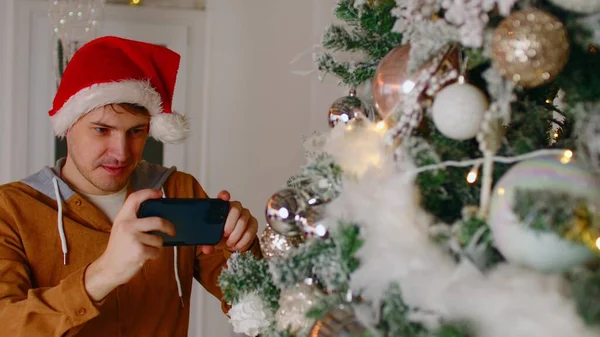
(41, 296)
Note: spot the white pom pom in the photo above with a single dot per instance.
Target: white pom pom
(249, 316)
(458, 111)
(169, 127)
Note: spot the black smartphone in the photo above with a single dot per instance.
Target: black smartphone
(196, 221)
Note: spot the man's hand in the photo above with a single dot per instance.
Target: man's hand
(240, 227)
(129, 247)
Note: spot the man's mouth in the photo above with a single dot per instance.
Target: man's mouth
(114, 170)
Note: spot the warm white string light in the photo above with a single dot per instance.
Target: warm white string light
(566, 154)
(473, 174)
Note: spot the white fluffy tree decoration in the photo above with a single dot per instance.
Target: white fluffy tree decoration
(358, 146)
(249, 316)
(516, 302)
(397, 247)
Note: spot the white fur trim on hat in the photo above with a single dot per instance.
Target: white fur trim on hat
(165, 127)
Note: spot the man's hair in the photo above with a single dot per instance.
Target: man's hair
(133, 109)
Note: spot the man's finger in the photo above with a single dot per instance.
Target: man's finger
(246, 240)
(150, 240)
(208, 249)
(224, 195)
(154, 224)
(232, 217)
(133, 202)
(240, 228)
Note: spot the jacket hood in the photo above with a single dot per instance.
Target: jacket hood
(144, 176)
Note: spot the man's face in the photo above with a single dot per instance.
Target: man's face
(105, 146)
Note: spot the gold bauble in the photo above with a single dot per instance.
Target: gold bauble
(530, 47)
(275, 245)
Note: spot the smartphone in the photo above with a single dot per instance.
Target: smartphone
(196, 221)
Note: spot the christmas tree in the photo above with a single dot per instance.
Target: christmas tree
(458, 190)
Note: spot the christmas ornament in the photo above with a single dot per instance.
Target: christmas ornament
(285, 211)
(545, 251)
(530, 47)
(294, 303)
(393, 83)
(338, 322)
(347, 108)
(458, 111)
(249, 316)
(275, 245)
(312, 225)
(294, 214)
(580, 6)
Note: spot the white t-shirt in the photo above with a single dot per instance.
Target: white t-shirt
(109, 204)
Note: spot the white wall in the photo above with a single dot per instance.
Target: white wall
(257, 109)
(6, 33)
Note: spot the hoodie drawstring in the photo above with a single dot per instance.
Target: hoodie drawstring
(175, 262)
(65, 249)
(61, 226)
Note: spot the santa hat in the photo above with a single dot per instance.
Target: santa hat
(111, 70)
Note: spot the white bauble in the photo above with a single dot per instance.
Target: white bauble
(458, 111)
(580, 6)
(543, 251)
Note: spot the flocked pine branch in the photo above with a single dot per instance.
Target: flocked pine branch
(366, 34)
(246, 274)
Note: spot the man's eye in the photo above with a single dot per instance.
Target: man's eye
(138, 131)
(101, 131)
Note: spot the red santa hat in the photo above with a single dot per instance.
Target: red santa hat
(111, 70)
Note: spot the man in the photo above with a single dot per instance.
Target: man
(74, 258)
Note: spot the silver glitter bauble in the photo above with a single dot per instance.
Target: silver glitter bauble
(347, 108)
(285, 211)
(275, 245)
(339, 322)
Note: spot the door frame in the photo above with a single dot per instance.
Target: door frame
(26, 133)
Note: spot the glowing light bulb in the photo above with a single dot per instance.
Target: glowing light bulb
(472, 175)
(380, 125)
(555, 135)
(566, 158)
(501, 191)
(598, 243)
